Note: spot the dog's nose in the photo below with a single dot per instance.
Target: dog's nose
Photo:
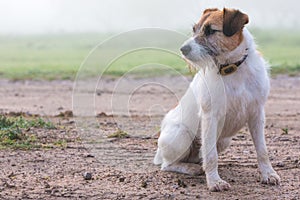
(186, 49)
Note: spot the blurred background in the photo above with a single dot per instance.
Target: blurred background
(48, 39)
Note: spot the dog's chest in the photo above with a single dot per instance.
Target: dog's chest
(238, 99)
(241, 100)
(233, 97)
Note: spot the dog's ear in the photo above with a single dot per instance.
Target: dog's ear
(233, 21)
(210, 10)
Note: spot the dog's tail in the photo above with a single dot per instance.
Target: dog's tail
(158, 158)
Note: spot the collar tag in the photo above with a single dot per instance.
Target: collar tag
(229, 69)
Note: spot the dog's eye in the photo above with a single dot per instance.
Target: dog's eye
(209, 31)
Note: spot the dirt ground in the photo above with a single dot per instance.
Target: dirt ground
(122, 168)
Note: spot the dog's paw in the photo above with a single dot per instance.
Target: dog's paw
(219, 186)
(270, 179)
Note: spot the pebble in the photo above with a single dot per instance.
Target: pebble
(87, 176)
(284, 139)
(181, 183)
(144, 184)
(280, 164)
(122, 179)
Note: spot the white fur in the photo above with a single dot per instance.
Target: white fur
(215, 108)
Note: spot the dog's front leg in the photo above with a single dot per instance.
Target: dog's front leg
(256, 127)
(210, 155)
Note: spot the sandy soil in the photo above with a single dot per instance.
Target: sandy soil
(122, 168)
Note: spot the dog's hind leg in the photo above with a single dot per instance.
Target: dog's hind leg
(189, 164)
(184, 168)
(194, 152)
(158, 158)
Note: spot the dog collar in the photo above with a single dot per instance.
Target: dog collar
(226, 69)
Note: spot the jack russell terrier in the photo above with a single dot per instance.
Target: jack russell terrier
(228, 92)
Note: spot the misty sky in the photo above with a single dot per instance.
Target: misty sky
(55, 16)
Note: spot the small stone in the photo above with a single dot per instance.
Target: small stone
(144, 184)
(284, 139)
(122, 179)
(181, 183)
(87, 176)
(46, 185)
(232, 180)
(48, 190)
(280, 164)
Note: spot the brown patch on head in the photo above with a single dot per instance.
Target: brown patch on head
(234, 21)
(220, 30)
(210, 10)
(205, 15)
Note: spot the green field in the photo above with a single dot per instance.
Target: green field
(59, 56)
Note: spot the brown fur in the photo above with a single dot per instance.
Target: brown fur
(228, 22)
(210, 10)
(233, 21)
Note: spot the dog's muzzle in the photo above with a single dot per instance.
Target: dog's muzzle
(193, 51)
(185, 49)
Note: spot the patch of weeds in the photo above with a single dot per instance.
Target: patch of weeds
(40, 123)
(14, 131)
(119, 134)
(5, 122)
(60, 143)
(11, 123)
(285, 131)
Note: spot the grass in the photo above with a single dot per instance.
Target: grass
(14, 132)
(59, 56)
(44, 56)
(285, 131)
(119, 134)
(282, 49)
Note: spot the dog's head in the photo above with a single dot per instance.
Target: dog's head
(217, 33)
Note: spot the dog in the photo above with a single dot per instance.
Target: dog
(228, 92)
